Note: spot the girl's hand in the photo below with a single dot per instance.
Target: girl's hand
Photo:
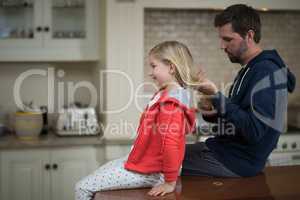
(162, 189)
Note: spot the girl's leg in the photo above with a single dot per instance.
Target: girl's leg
(113, 176)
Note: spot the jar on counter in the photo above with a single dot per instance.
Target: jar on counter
(28, 125)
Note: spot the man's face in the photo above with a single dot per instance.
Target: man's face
(232, 43)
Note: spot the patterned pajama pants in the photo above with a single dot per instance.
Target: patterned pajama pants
(112, 176)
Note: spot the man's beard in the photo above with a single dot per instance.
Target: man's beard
(237, 58)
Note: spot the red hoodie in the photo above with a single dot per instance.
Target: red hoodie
(160, 144)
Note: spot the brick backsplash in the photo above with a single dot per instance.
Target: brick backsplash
(280, 30)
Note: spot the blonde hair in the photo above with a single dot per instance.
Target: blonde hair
(176, 53)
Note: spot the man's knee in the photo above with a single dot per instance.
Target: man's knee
(196, 148)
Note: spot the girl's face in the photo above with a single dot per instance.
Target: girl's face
(160, 72)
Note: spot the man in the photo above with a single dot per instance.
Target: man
(251, 119)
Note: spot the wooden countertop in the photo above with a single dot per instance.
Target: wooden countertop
(275, 183)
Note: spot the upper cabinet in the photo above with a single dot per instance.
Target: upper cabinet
(49, 30)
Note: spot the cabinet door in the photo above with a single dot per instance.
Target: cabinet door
(23, 175)
(68, 167)
(73, 28)
(20, 25)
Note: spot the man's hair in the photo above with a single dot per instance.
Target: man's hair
(242, 18)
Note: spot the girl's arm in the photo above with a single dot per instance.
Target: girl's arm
(170, 125)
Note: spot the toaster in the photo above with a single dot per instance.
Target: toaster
(77, 121)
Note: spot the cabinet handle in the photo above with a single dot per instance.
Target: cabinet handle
(47, 166)
(46, 29)
(38, 29)
(55, 166)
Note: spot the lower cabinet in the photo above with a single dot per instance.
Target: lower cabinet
(45, 174)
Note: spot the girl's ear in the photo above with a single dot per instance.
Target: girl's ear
(172, 68)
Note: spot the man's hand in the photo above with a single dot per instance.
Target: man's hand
(205, 107)
(205, 103)
(206, 86)
(162, 189)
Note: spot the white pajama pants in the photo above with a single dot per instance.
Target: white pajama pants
(112, 176)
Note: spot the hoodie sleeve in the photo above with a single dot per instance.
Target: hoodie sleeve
(211, 119)
(260, 101)
(170, 125)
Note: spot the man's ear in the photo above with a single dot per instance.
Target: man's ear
(250, 36)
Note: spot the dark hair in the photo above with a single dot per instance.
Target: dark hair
(242, 18)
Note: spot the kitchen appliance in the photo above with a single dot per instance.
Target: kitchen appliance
(77, 121)
(287, 151)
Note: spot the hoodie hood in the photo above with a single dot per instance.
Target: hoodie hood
(274, 57)
(182, 97)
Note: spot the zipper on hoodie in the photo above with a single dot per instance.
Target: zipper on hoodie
(238, 81)
(164, 134)
(142, 121)
(238, 90)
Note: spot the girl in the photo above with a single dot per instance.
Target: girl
(158, 150)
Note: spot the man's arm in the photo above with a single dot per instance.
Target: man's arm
(248, 119)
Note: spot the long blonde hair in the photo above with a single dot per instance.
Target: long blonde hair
(176, 53)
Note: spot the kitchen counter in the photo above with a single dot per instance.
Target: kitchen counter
(11, 141)
(280, 183)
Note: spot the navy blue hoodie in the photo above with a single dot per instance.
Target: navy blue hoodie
(252, 118)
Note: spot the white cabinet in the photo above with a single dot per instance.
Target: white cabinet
(69, 167)
(23, 175)
(45, 174)
(49, 30)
